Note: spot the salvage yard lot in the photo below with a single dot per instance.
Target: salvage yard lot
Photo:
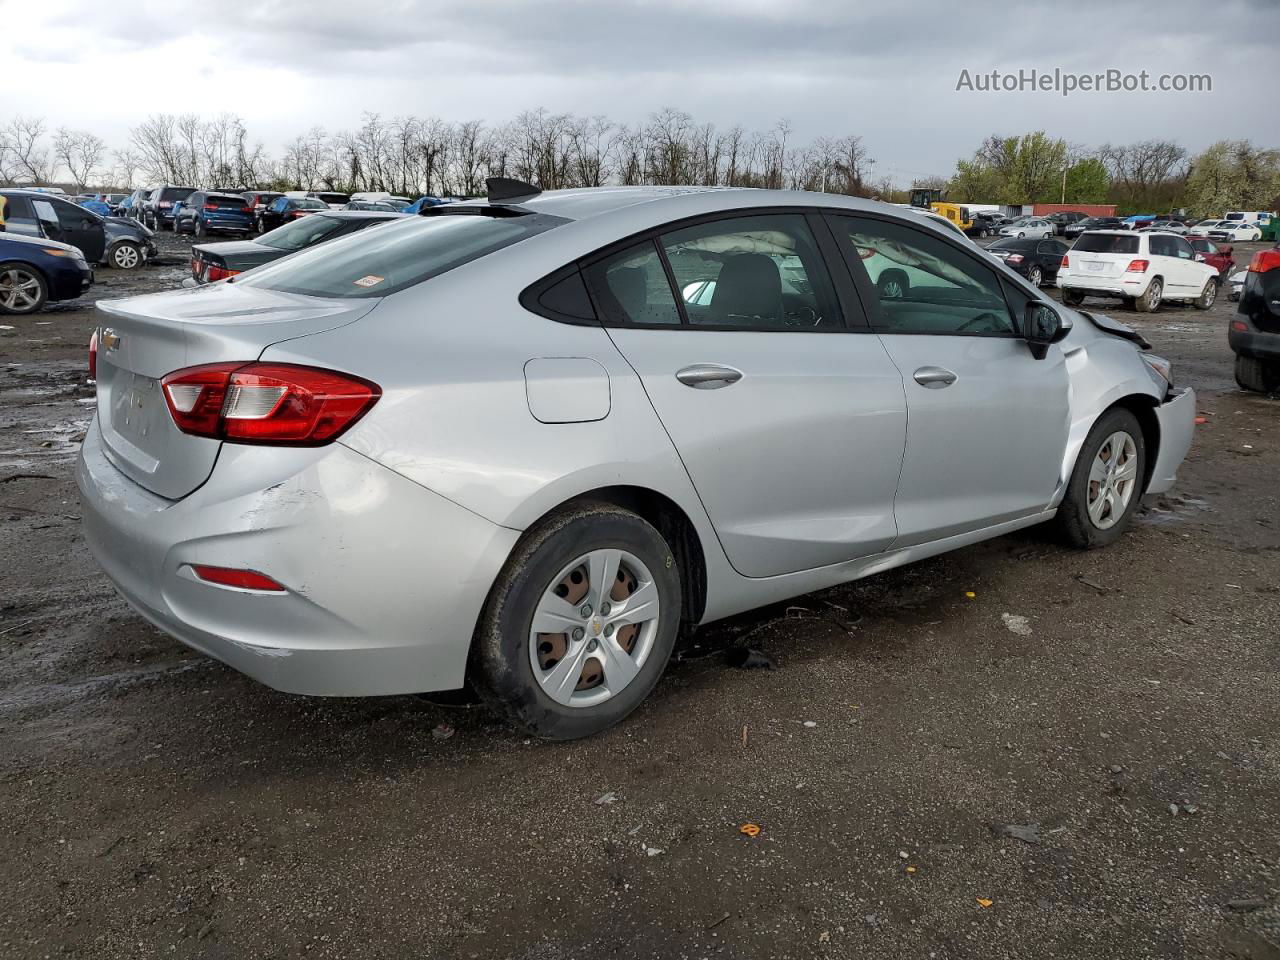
(158, 804)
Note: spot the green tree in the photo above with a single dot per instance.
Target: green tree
(1024, 169)
(1087, 181)
(1233, 175)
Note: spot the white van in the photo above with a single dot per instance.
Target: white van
(1259, 217)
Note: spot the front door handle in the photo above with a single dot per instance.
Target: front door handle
(934, 378)
(708, 376)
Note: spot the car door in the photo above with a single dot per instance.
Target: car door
(82, 229)
(1193, 272)
(790, 423)
(987, 421)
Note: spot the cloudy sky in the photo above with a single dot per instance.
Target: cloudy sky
(887, 71)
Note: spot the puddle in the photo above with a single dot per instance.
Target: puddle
(1173, 510)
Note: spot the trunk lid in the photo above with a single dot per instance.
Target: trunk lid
(1108, 265)
(143, 339)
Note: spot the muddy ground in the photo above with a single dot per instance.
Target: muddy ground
(153, 803)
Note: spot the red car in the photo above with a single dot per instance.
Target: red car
(1217, 255)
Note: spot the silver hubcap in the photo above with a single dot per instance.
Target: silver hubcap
(1210, 293)
(19, 290)
(594, 628)
(126, 257)
(1113, 477)
(1154, 294)
(1034, 277)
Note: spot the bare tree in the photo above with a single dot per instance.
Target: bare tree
(80, 152)
(28, 157)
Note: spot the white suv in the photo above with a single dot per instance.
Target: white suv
(1142, 269)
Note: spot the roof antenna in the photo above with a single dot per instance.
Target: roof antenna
(505, 189)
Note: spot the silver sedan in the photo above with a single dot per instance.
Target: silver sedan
(523, 443)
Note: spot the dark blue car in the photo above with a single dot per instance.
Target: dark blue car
(204, 213)
(34, 271)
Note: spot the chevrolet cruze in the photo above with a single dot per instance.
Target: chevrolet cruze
(521, 443)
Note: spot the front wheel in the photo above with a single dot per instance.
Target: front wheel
(580, 624)
(1106, 483)
(126, 256)
(199, 230)
(22, 289)
(1208, 295)
(1257, 375)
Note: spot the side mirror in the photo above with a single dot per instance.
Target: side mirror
(1199, 258)
(1041, 326)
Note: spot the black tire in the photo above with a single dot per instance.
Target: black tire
(1035, 276)
(1150, 301)
(126, 256)
(199, 229)
(893, 284)
(1072, 298)
(1257, 375)
(500, 665)
(1208, 295)
(1073, 521)
(31, 280)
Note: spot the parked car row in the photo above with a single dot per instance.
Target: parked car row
(108, 241)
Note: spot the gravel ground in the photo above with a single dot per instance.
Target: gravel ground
(155, 803)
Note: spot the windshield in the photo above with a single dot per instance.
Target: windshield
(380, 262)
(301, 233)
(1106, 243)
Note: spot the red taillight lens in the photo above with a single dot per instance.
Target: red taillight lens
(1138, 266)
(211, 206)
(1239, 325)
(230, 577)
(219, 273)
(247, 208)
(1265, 260)
(93, 356)
(272, 403)
(1014, 258)
(1066, 262)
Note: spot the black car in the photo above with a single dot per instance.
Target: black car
(284, 210)
(113, 241)
(1073, 230)
(1254, 332)
(1037, 260)
(217, 261)
(157, 209)
(1065, 218)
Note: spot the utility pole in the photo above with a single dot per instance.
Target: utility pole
(1064, 184)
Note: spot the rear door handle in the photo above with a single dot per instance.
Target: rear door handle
(708, 376)
(934, 378)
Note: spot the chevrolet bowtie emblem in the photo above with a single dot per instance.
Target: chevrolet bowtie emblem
(109, 339)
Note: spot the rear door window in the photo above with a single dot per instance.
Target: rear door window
(762, 272)
(631, 288)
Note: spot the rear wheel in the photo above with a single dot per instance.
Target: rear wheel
(1257, 375)
(199, 230)
(580, 624)
(1072, 298)
(1149, 302)
(1035, 276)
(1208, 295)
(22, 289)
(1106, 483)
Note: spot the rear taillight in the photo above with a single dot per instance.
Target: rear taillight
(93, 356)
(231, 577)
(272, 403)
(1265, 260)
(195, 267)
(1066, 262)
(211, 207)
(1239, 325)
(1137, 266)
(1014, 258)
(219, 273)
(247, 208)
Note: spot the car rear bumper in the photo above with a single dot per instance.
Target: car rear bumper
(384, 580)
(1123, 286)
(1177, 419)
(1254, 343)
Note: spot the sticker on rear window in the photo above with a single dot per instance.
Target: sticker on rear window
(369, 281)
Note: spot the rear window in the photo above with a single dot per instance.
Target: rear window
(333, 197)
(1106, 243)
(380, 262)
(302, 233)
(176, 193)
(1012, 244)
(225, 200)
